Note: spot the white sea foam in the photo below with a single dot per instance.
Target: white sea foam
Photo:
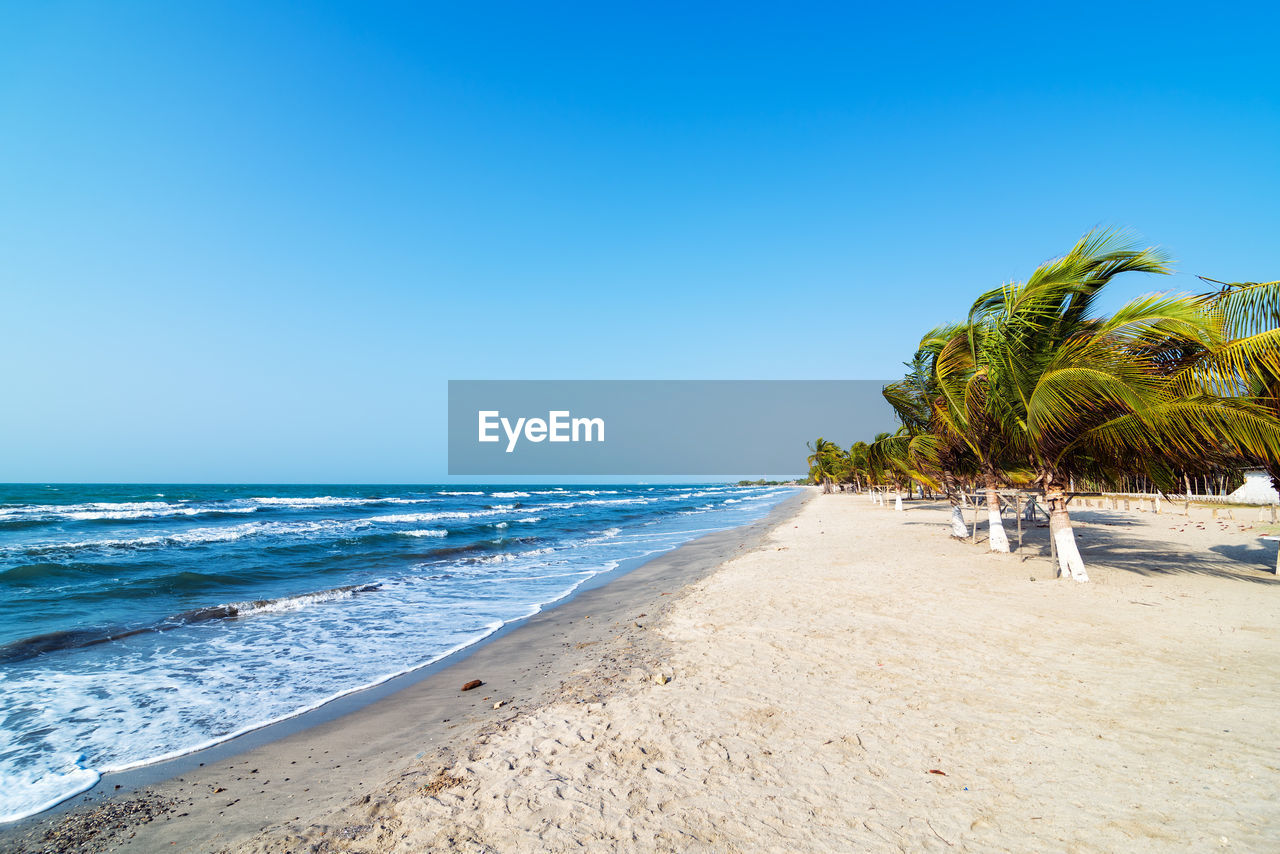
(201, 536)
(102, 510)
(592, 502)
(607, 534)
(397, 518)
(339, 501)
(318, 501)
(291, 603)
(505, 557)
(36, 789)
(510, 557)
(429, 532)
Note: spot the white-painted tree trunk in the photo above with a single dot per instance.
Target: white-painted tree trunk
(1070, 564)
(958, 527)
(897, 500)
(997, 539)
(995, 529)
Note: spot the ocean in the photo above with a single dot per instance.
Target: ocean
(142, 622)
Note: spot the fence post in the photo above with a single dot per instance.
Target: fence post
(974, 537)
(1053, 544)
(1017, 511)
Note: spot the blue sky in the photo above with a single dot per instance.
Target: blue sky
(252, 242)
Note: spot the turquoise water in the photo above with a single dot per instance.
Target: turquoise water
(145, 621)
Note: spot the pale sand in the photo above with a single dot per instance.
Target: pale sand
(821, 678)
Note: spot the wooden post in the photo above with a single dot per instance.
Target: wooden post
(1053, 544)
(1017, 511)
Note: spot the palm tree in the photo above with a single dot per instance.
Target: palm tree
(857, 463)
(936, 450)
(963, 415)
(890, 460)
(824, 462)
(1086, 396)
(1247, 362)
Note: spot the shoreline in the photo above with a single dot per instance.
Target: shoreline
(185, 793)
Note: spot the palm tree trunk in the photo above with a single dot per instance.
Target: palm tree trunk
(998, 540)
(1070, 564)
(958, 527)
(826, 485)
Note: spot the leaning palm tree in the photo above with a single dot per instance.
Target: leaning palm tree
(920, 399)
(824, 462)
(857, 459)
(1022, 333)
(1247, 361)
(891, 460)
(964, 415)
(1083, 395)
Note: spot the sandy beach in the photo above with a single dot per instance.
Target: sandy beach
(849, 678)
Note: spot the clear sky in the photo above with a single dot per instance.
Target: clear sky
(251, 241)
